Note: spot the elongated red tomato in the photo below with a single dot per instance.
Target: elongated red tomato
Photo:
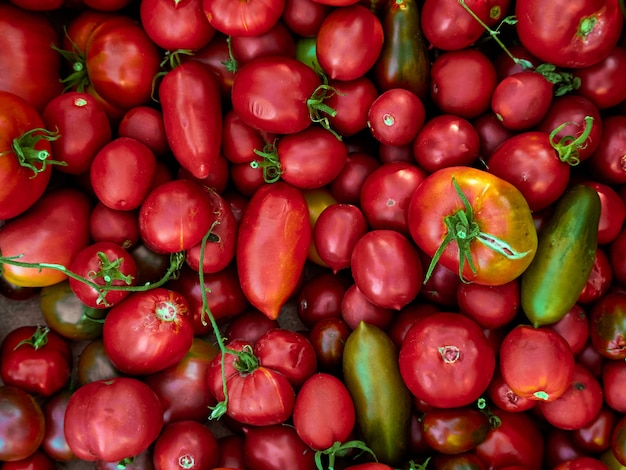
(192, 114)
(272, 245)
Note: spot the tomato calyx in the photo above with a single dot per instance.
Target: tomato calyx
(28, 156)
(231, 64)
(318, 110)
(171, 60)
(38, 340)
(340, 449)
(463, 229)
(78, 79)
(565, 81)
(109, 272)
(483, 407)
(568, 147)
(272, 169)
(122, 464)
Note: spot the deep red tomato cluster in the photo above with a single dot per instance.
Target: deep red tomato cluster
(314, 234)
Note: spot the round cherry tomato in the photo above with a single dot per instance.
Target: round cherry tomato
(600, 82)
(185, 444)
(396, 116)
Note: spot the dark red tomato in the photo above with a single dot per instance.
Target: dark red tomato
(246, 179)
(175, 216)
(582, 463)
(591, 359)
(595, 436)
(328, 337)
(507, 65)
(231, 451)
(249, 326)
(185, 445)
(491, 133)
(489, 306)
(452, 72)
(612, 211)
(351, 102)
(607, 326)
(573, 37)
(452, 348)
(22, 426)
(574, 327)
(151, 266)
(607, 162)
(465, 461)
(103, 264)
(404, 319)
(106, 5)
(273, 241)
(320, 297)
(357, 307)
(580, 403)
(25, 155)
(473, 201)
(112, 419)
(288, 352)
(455, 430)
(122, 173)
(304, 17)
(442, 286)
(506, 399)
(240, 140)
(54, 443)
(145, 124)
(174, 26)
(38, 460)
(112, 225)
(394, 153)
(246, 19)
(446, 140)
(216, 180)
(336, 231)
(517, 441)
(613, 374)
(537, 364)
(618, 441)
(324, 411)
(276, 447)
(35, 67)
(160, 322)
(529, 161)
(560, 447)
(35, 359)
(374, 274)
(182, 387)
(346, 187)
(278, 40)
(600, 82)
(83, 126)
(396, 116)
(522, 100)
(568, 113)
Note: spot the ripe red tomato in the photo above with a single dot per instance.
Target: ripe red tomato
(446, 360)
(54, 443)
(22, 426)
(607, 326)
(276, 447)
(396, 116)
(185, 444)
(600, 82)
(490, 306)
(245, 19)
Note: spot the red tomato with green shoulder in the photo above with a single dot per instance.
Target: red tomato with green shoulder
(272, 246)
(474, 223)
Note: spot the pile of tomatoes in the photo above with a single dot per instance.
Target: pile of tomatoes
(314, 234)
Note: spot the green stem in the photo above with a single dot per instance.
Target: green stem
(341, 449)
(231, 64)
(569, 146)
(319, 111)
(28, 156)
(38, 340)
(270, 164)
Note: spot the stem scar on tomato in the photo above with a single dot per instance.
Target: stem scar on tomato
(463, 229)
(28, 156)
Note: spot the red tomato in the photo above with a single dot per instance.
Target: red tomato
(618, 441)
(536, 363)
(272, 245)
(54, 443)
(455, 430)
(573, 37)
(491, 133)
(446, 361)
(162, 333)
(185, 444)
(276, 447)
(35, 359)
(613, 374)
(246, 19)
(606, 162)
(490, 306)
(38, 460)
(320, 297)
(324, 411)
(582, 463)
(595, 436)
(488, 218)
(112, 419)
(601, 83)
(607, 326)
(62, 214)
(278, 40)
(574, 327)
(346, 187)
(396, 116)
(111, 225)
(22, 426)
(351, 102)
(249, 326)
(341, 29)
(304, 17)
(328, 337)
(612, 212)
(506, 399)
(357, 307)
(145, 124)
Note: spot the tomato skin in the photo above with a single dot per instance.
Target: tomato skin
(489, 306)
(100, 425)
(54, 443)
(62, 214)
(607, 326)
(272, 245)
(606, 163)
(455, 430)
(159, 319)
(595, 436)
(38, 460)
(145, 124)
(22, 425)
(185, 443)
(572, 35)
(274, 447)
(435, 198)
(191, 103)
(246, 19)
(448, 346)
(396, 116)
(600, 82)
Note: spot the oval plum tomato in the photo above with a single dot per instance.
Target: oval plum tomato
(341, 29)
(446, 140)
(324, 411)
(22, 426)
(455, 430)
(83, 126)
(607, 162)
(537, 363)
(317, 200)
(374, 273)
(277, 94)
(185, 444)
(321, 296)
(175, 216)
(145, 124)
(103, 264)
(600, 82)
(607, 326)
(112, 419)
(490, 306)
(278, 40)
(25, 155)
(462, 82)
(487, 217)
(161, 331)
(446, 361)
(246, 19)
(580, 403)
(276, 447)
(574, 37)
(35, 359)
(272, 245)
(328, 337)
(29, 34)
(396, 116)
(62, 214)
(351, 102)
